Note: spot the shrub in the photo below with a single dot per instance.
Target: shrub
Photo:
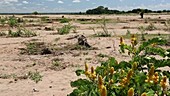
(64, 20)
(140, 76)
(2, 21)
(21, 32)
(65, 29)
(35, 48)
(35, 76)
(13, 22)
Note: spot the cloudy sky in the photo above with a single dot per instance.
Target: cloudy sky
(20, 6)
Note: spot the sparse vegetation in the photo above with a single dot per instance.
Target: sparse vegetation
(21, 32)
(35, 76)
(64, 20)
(104, 32)
(65, 29)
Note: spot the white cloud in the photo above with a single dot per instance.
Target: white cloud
(8, 1)
(76, 1)
(61, 2)
(25, 2)
(50, 0)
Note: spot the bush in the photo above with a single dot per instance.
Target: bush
(140, 76)
(65, 29)
(64, 20)
(13, 22)
(21, 32)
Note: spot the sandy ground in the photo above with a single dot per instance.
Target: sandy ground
(57, 82)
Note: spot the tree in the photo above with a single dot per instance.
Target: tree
(35, 13)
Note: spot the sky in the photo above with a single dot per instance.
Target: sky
(24, 6)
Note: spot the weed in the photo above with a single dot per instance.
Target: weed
(35, 48)
(35, 76)
(65, 29)
(55, 64)
(3, 21)
(13, 22)
(21, 32)
(142, 30)
(104, 32)
(128, 33)
(151, 27)
(64, 20)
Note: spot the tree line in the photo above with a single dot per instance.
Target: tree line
(106, 10)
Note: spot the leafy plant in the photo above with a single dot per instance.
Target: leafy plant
(140, 76)
(35, 76)
(64, 20)
(21, 32)
(65, 29)
(13, 22)
(2, 21)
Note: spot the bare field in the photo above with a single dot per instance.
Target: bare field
(22, 56)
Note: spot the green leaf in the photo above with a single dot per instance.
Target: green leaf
(80, 82)
(150, 93)
(79, 72)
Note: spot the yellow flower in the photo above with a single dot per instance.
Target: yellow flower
(87, 73)
(156, 78)
(121, 41)
(104, 91)
(86, 67)
(131, 92)
(93, 74)
(163, 82)
(133, 40)
(153, 44)
(144, 94)
(150, 75)
(129, 75)
(100, 82)
(111, 70)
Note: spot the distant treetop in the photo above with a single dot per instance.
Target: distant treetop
(106, 10)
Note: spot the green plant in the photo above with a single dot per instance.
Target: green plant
(142, 30)
(64, 20)
(21, 32)
(139, 76)
(2, 21)
(65, 29)
(128, 33)
(55, 64)
(12, 22)
(35, 13)
(35, 76)
(104, 32)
